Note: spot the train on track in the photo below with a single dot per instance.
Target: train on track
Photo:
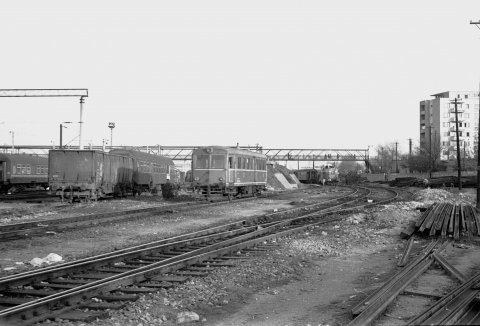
(327, 173)
(228, 171)
(89, 174)
(19, 172)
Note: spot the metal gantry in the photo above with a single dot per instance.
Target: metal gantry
(51, 92)
(184, 153)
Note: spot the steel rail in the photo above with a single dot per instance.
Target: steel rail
(446, 299)
(47, 271)
(110, 258)
(449, 268)
(373, 310)
(192, 235)
(360, 307)
(7, 231)
(47, 301)
(406, 253)
(243, 241)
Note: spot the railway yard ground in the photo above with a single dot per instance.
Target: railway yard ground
(315, 277)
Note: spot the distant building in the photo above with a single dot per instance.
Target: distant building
(437, 124)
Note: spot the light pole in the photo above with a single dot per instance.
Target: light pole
(61, 132)
(13, 139)
(111, 125)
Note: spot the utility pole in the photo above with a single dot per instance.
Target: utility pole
(430, 150)
(477, 24)
(80, 123)
(61, 132)
(13, 139)
(459, 167)
(396, 156)
(410, 147)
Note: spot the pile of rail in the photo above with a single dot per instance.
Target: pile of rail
(457, 307)
(373, 306)
(449, 219)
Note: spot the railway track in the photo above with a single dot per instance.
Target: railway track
(42, 227)
(100, 282)
(32, 196)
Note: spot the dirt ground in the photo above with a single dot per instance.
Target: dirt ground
(312, 278)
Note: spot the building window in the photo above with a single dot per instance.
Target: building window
(468, 134)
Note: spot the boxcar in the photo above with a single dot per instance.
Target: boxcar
(151, 172)
(88, 174)
(22, 171)
(228, 171)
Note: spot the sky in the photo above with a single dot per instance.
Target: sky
(281, 74)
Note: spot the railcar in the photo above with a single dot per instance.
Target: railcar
(151, 172)
(228, 171)
(89, 174)
(307, 175)
(23, 171)
(329, 173)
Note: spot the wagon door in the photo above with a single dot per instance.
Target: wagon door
(231, 169)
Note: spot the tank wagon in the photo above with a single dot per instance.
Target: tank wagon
(22, 171)
(228, 171)
(88, 174)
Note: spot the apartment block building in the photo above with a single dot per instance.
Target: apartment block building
(437, 123)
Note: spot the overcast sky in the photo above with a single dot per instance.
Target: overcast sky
(283, 74)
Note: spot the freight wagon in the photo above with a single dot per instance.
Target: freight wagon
(150, 172)
(22, 171)
(88, 174)
(329, 173)
(228, 171)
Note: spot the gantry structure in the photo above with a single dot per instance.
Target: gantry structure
(81, 93)
(184, 153)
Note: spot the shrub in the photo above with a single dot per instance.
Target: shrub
(170, 190)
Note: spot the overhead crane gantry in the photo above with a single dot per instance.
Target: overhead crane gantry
(52, 92)
(184, 153)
